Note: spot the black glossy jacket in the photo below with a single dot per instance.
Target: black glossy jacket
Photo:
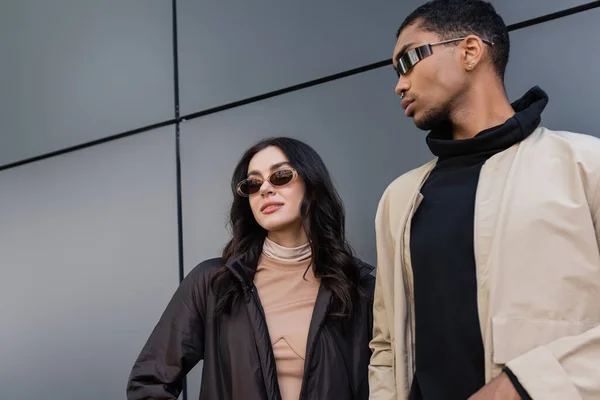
(236, 348)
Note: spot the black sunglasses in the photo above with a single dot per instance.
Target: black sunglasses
(413, 56)
(278, 178)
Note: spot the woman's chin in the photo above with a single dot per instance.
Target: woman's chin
(274, 223)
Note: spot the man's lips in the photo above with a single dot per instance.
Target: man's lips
(406, 105)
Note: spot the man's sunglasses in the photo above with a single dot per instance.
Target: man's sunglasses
(413, 56)
(278, 178)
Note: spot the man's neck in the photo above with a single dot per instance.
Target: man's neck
(483, 107)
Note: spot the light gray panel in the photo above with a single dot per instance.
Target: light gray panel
(88, 250)
(513, 11)
(237, 49)
(355, 124)
(74, 71)
(560, 57)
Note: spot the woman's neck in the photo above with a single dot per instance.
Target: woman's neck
(289, 238)
(276, 251)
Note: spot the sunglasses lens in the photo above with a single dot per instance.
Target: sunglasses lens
(404, 64)
(408, 60)
(249, 186)
(283, 177)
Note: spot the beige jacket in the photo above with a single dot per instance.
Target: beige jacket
(537, 250)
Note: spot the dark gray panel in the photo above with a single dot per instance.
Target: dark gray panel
(513, 11)
(88, 249)
(236, 49)
(75, 71)
(560, 57)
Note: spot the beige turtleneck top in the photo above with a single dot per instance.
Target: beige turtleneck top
(288, 298)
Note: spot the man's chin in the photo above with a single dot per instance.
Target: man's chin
(426, 124)
(421, 126)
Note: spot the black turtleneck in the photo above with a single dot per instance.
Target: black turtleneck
(449, 349)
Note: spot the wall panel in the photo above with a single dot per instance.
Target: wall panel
(76, 71)
(559, 57)
(237, 49)
(513, 11)
(88, 250)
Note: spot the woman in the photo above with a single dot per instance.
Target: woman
(286, 312)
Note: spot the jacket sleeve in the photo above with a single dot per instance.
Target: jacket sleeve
(382, 381)
(175, 345)
(568, 368)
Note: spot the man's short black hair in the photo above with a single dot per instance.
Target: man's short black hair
(457, 18)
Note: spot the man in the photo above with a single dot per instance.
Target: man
(488, 278)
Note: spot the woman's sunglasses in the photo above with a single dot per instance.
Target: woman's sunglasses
(278, 178)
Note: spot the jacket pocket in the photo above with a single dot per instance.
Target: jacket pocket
(513, 337)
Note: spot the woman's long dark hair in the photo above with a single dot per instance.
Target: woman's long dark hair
(323, 219)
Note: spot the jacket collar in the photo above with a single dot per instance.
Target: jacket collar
(241, 270)
(365, 269)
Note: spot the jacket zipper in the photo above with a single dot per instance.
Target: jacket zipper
(337, 345)
(410, 356)
(309, 353)
(408, 291)
(305, 374)
(269, 348)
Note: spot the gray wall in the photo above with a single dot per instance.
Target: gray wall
(89, 245)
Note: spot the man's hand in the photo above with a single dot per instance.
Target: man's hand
(499, 388)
